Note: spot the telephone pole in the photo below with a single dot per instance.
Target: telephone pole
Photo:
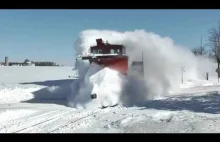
(182, 71)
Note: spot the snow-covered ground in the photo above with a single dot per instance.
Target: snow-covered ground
(33, 100)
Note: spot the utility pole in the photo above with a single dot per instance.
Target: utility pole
(143, 64)
(217, 70)
(182, 70)
(142, 56)
(201, 42)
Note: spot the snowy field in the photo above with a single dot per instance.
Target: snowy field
(33, 100)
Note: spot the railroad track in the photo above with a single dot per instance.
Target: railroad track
(57, 115)
(74, 121)
(53, 119)
(97, 112)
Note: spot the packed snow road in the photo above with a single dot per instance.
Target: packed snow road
(37, 104)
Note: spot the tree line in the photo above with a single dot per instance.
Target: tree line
(212, 47)
(26, 61)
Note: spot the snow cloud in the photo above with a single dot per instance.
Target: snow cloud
(163, 60)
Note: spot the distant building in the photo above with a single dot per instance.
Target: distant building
(45, 64)
(6, 61)
(15, 64)
(28, 63)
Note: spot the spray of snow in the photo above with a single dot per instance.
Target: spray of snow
(163, 60)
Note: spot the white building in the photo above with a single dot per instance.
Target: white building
(29, 63)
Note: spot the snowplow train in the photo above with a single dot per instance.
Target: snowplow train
(108, 55)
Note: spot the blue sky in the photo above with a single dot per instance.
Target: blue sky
(49, 34)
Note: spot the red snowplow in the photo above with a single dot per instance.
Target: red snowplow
(108, 55)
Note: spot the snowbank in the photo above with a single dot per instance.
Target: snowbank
(15, 95)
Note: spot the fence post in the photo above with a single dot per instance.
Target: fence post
(207, 76)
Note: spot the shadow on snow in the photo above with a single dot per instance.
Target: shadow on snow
(55, 92)
(50, 83)
(209, 103)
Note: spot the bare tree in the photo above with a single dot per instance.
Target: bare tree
(200, 51)
(214, 43)
(26, 60)
(195, 52)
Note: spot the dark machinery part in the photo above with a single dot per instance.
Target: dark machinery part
(93, 96)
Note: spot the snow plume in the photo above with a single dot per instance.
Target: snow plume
(104, 82)
(162, 66)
